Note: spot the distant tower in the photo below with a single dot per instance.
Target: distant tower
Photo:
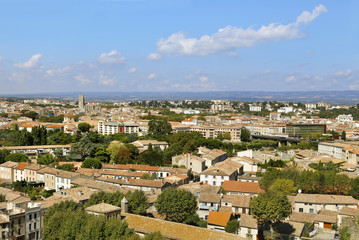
(82, 103)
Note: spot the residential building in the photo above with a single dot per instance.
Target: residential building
(249, 227)
(64, 179)
(238, 203)
(218, 220)
(50, 178)
(242, 188)
(220, 172)
(30, 172)
(207, 202)
(298, 130)
(20, 172)
(194, 163)
(7, 170)
(145, 143)
(37, 150)
(212, 131)
(313, 203)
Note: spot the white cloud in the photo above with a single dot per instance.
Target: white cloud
(152, 76)
(203, 79)
(230, 38)
(154, 56)
(132, 70)
(106, 80)
(354, 87)
(307, 17)
(347, 73)
(291, 78)
(52, 72)
(190, 76)
(82, 79)
(32, 62)
(112, 57)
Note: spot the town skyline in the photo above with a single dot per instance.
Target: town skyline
(126, 46)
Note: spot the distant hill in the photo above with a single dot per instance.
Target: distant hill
(332, 97)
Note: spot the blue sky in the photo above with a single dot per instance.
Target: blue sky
(143, 45)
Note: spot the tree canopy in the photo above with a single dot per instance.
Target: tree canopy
(176, 204)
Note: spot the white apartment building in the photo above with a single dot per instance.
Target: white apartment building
(345, 118)
(332, 149)
(254, 108)
(106, 128)
(286, 109)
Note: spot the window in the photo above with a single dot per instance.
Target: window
(206, 176)
(300, 209)
(222, 177)
(30, 227)
(34, 225)
(30, 216)
(214, 183)
(206, 182)
(35, 215)
(19, 221)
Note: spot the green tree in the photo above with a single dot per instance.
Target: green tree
(45, 159)
(227, 136)
(3, 154)
(270, 208)
(304, 145)
(137, 202)
(66, 167)
(84, 127)
(219, 136)
(91, 163)
(123, 154)
(17, 157)
(2, 198)
(344, 234)
(232, 226)
(147, 176)
(344, 136)
(113, 149)
(283, 186)
(245, 135)
(176, 205)
(159, 127)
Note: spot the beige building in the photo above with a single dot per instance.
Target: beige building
(212, 131)
(30, 172)
(194, 163)
(313, 203)
(7, 170)
(50, 178)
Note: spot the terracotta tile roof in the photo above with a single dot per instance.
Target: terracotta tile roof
(21, 166)
(219, 218)
(245, 187)
(312, 217)
(173, 230)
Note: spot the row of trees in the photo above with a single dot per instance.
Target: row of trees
(322, 181)
(68, 220)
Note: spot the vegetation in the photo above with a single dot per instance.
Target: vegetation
(68, 220)
(91, 163)
(176, 205)
(17, 157)
(232, 226)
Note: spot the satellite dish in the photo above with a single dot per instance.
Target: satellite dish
(299, 191)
